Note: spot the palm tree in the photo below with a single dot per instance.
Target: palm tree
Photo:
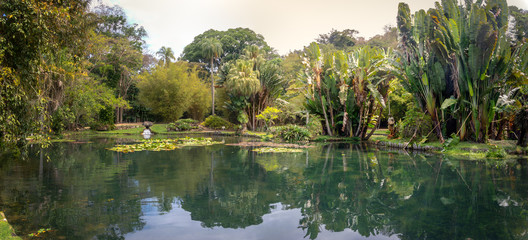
(166, 54)
(211, 50)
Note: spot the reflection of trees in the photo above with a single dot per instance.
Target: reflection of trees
(85, 191)
(422, 197)
(82, 192)
(340, 199)
(237, 194)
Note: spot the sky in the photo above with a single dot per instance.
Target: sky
(286, 25)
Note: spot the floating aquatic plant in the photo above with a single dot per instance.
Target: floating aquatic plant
(164, 144)
(277, 150)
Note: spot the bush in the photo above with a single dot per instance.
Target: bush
(61, 119)
(496, 152)
(105, 121)
(173, 90)
(291, 133)
(268, 115)
(216, 122)
(415, 120)
(183, 125)
(314, 125)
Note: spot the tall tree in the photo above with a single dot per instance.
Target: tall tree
(457, 58)
(314, 72)
(123, 59)
(40, 42)
(166, 54)
(342, 40)
(233, 41)
(211, 50)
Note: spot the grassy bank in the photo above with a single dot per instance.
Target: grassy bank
(471, 150)
(157, 129)
(6, 231)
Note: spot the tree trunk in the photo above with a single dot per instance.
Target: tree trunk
(500, 131)
(437, 127)
(328, 130)
(330, 108)
(359, 121)
(377, 126)
(212, 89)
(117, 115)
(521, 120)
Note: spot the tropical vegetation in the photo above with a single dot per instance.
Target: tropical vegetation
(458, 69)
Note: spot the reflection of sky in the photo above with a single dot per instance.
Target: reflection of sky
(279, 224)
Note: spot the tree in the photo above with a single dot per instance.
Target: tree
(520, 17)
(112, 22)
(313, 62)
(166, 54)
(40, 46)
(120, 58)
(211, 50)
(233, 41)
(252, 84)
(171, 91)
(457, 52)
(348, 90)
(342, 40)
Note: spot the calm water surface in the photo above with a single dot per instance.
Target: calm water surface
(81, 190)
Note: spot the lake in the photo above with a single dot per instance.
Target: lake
(81, 190)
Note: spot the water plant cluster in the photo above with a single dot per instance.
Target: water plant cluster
(164, 144)
(277, 150)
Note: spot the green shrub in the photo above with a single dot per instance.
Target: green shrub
(105, 121)
(268, 115)
(183, 125)
(415, 120)
(60, 120)
(314, 125)
(291, 133)
(216, 122)
(496, 152)
(450, 142)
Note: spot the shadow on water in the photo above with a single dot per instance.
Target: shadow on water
(81, 190)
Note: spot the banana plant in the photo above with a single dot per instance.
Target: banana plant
(421, 69)
(350, 88)
(370, 84)
(457, 52)
(313, 62)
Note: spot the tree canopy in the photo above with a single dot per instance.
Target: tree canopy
(173, 90)
(233, 41)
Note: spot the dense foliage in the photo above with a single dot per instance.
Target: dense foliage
(348, 90)
(65, 66)
(458, 60)
(291, 133)
(174, 90)
(183, 125)
(233, 42)
(216, 122)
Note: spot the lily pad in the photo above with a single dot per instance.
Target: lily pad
(163, 144)
(277, 150)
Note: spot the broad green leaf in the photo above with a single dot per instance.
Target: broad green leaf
(448, 102)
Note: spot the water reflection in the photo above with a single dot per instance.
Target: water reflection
(83, 191)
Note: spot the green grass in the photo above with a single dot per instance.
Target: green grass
(157, 128)
(6, 230)
(466, 149)
(277, 150)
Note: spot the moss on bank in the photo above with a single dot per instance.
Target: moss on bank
(470, 150)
